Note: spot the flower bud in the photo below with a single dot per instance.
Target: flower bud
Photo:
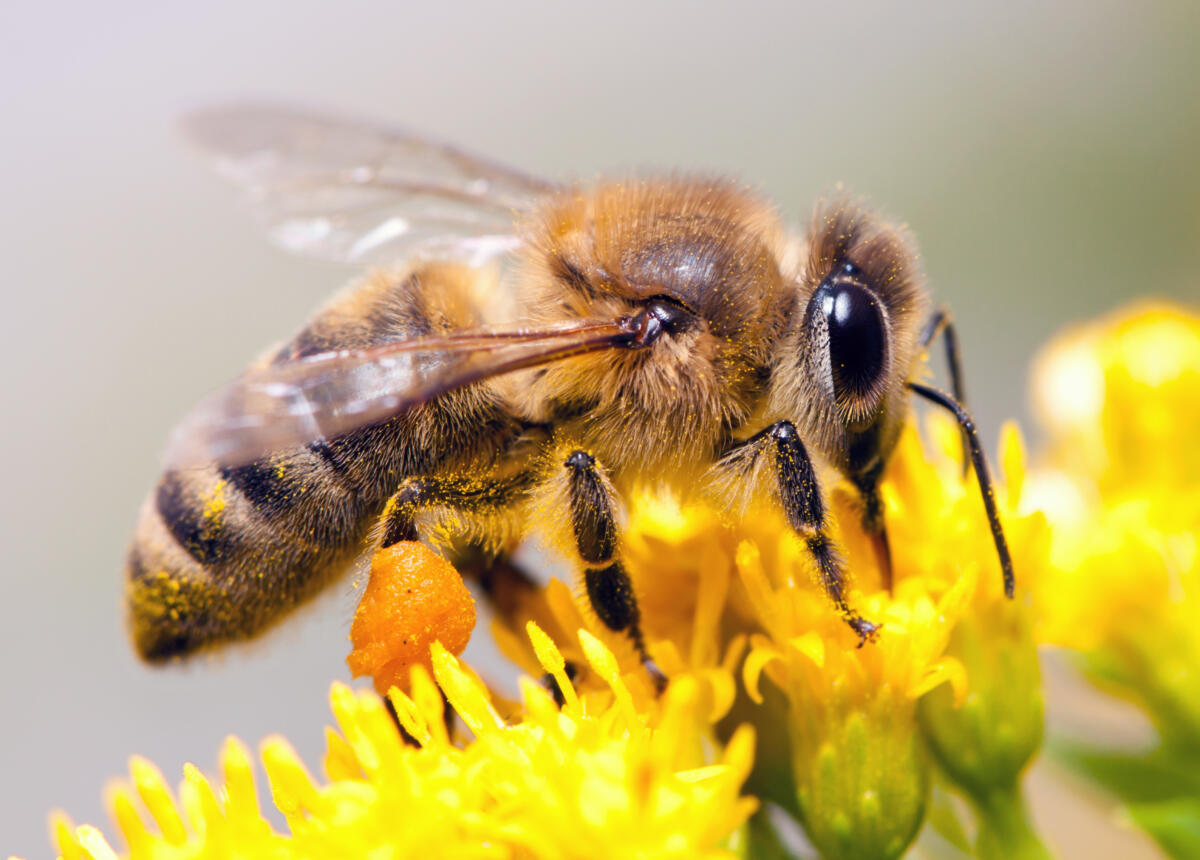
(984, 744)
(861, 779)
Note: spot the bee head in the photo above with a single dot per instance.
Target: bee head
(851, 346)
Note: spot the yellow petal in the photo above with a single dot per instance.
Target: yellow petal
(811, 645)
(291, 787)
(605, 664)
(129, 822)
(946, 669)
(1012, 461)
(93, 842)
(465, 693)
(241, 797)
(756, 661)
(153, 790)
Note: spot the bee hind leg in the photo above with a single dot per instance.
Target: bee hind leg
(609, 588)
(498, 576)
(465, 495)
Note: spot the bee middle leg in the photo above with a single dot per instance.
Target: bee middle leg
(594, 522)
(873, 522)
(800, 495)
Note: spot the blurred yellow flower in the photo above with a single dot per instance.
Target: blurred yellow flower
(599, 778)
(1120, 398)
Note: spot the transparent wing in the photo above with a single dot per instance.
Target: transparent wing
(286, 405)
(352, 192)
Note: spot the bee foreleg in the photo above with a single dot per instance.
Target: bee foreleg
(982, 475)
(800, 496)
(465, 495)
(594, 521)
(943, 323)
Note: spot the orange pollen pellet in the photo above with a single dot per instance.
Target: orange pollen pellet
(413, 598)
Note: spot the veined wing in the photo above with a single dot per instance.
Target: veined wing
(290, 404)
(349, 191)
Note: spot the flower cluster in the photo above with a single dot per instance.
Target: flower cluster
(770, 702)
(604, 776)
(734, 617)
(1120, 398)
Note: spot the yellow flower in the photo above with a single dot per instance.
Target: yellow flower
(599, 778)
(861, 773)
(844, 717)
(1121, 399)
(984, 743)
(680, 561)
(734, 615)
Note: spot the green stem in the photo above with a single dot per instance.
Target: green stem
(1005, 829)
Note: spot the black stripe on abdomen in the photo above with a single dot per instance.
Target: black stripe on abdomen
(336, 458)
(196, 520)
(263, 485)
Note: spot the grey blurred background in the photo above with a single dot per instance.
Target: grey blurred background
(1044, 154)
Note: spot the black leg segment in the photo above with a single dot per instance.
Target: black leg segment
(981, 473)
(594, 521)
(800, 495)
(611, 594)
(873, 522)
(466, 495)
(943, 323)
(592, 514)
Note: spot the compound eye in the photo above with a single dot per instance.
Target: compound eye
(670, 313)
(857, 336)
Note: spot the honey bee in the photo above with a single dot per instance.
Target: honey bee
(527, 351)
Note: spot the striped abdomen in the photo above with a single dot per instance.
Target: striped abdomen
(221, 551)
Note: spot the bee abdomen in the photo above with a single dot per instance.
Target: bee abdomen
(212, 561)
(194, 519)
(224, 550)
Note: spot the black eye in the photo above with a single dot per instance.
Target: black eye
(671, 313)
(857, 336)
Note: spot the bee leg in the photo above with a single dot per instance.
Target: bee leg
(609, 588)
(507, 585)
(461, 494)
(873, 523)
(800, 495)
(982, 475)
(943, 323)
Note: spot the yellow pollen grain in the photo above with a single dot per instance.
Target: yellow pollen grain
(214, 501)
